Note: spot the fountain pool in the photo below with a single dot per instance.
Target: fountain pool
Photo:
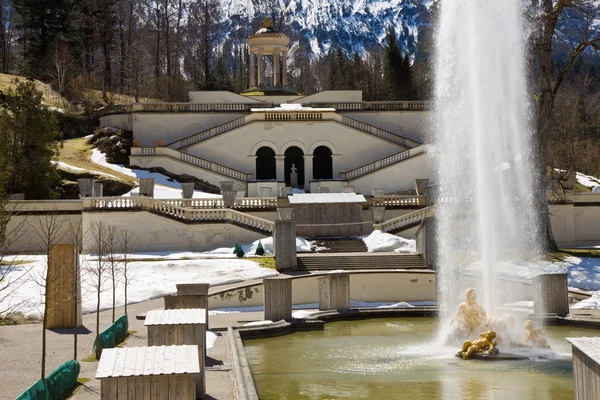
(394, 358)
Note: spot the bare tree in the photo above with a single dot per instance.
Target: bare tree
(546, 16)
(127, 245)
(49, 229)
(112, 249)
(60, 66)
(12, 274)
(76, 239)
(98, 268)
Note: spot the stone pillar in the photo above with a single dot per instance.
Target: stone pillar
(551, 295)
(63, 297)
(280, 168)
(276, 68)
(265, 192)
(188, 189)
(86, 187)
(252, 71)
(261, 67)
(285, 191)
(277, 294)
(334, 291)
(229, 194)
(308, 171)
(98, 189)
(284, 68)
(147, 187)
(284, 245)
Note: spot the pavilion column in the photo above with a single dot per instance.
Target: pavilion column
(252, 71)
(261, 65)
(284, 68)
(280, 168)
(335, 167)
(276, 67)
(308, 171)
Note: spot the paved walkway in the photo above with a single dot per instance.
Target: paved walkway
(20, 351)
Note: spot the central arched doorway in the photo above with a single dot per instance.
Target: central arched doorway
(322, 163)
(265, 164)
(294, 156)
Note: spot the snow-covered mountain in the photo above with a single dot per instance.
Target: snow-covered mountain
(317, 25)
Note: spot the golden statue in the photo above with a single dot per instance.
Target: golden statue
(268, 24)
(483, 345)
(470, 318)
(534, 337)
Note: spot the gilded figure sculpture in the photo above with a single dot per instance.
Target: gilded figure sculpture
(470, 317)
(484, 345)
(534, 337)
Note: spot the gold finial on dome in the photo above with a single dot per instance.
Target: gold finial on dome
(268, 24)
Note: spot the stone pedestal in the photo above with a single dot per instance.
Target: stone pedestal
(284, 245)
(228, 192)
(277, 299)
(147, 187)
(334, 292)
(188, 189)
(63, 297)
(421, 185)
(98, 189)
(86, 187)
(551, 295)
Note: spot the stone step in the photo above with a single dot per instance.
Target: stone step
(360, 261)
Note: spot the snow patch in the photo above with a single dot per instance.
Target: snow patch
(259, 323)
(211, 338)
(379, 241)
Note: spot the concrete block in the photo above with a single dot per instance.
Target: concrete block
(334, 292)
(284, 245)
(278, 299)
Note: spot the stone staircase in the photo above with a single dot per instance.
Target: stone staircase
(355, 261)
(335, 245)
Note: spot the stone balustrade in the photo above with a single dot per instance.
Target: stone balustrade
(239, 107)
(405, 220)
(187, 209)
(399, 201)
(383, 134)
(193, 160)
(379, 164)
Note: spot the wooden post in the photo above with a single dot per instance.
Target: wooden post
(334, 291)
(277, 298)
(551, 295)
(62, 263)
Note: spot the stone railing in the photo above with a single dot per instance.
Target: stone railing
(399, 201)
(370, 129)
(405, 220)
(192, 160)
(240, 107)
(377, 165)
(216, 131)
(245, 203)
(378, 106)
(174, 209)
(195, 107)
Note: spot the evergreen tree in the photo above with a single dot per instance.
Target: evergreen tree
(357, 77)
(31, 130)
(392, 65)
(41, 22)
(406, 79)
(260, 251)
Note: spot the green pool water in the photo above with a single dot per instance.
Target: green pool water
(394, 359)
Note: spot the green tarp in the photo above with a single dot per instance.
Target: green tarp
(111, 336)
(238, 251)
(61, 381)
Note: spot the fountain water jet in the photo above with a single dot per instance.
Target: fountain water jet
(483, 149)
